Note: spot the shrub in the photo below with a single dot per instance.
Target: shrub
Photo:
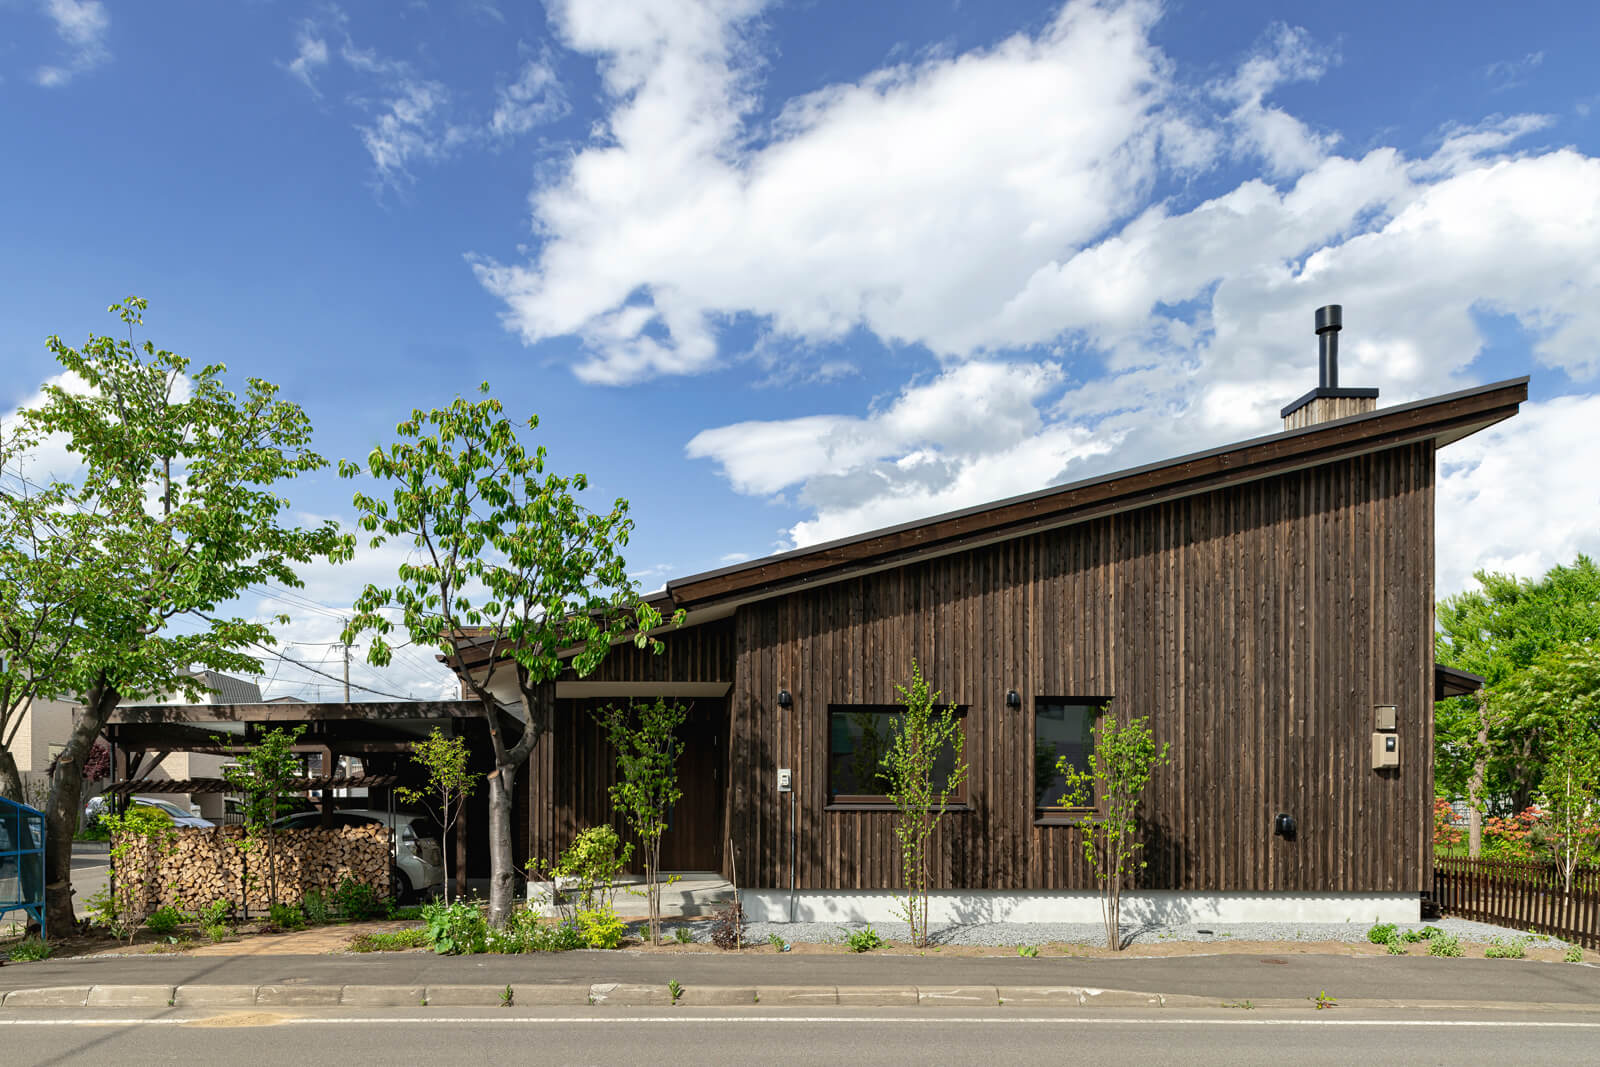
(456, 929)
(863, 940)
(399, 940)
(318, 909)
(593, 861)
(727, 925)
(1574, 954)
(682, 936)
(358, 901)
(217, 931)
(1382, 933)
(164, 920)
(525, 933)
(1444, 945)
(1397, 947)
(213, 914)
(30, 950)
(601, 928)
(1512, 948)
(1028, 951)
(286, 917)
(1424, 934)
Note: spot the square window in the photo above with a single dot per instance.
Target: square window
(859, 736)
(1063, 727)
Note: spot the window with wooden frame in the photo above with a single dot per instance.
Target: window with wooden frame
(858, 739)
(1062, 727)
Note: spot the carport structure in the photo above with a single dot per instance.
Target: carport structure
(379, 733)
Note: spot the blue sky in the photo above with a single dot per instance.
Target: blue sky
(783, 272)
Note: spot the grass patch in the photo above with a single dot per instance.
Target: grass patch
(398, 941)
(1447, 945)
(30, 950)
(1512, 948)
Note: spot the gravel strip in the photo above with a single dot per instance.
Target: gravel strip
(1010, 935)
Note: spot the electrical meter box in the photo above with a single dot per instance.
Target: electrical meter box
(785, 780)
(1385, 717)
(1385, 751)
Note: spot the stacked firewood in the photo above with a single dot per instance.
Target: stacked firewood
(227, 863)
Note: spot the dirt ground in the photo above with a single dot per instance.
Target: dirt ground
(335, 938)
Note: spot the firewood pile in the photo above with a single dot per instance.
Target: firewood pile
(217, 863)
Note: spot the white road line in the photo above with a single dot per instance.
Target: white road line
(745, 1020)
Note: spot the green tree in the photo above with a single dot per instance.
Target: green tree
(510, 577)
(644, 737)
(175, 509)
(924, 767)
(1120, 766)
(1563, 688)
(1484, 747)
(45, 585)
(261, 774)
(450, 783)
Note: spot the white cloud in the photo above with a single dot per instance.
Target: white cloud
(405, 117)
(1285, 145)
(311, 57)
(83, 26)
(913, 202)
(1520, 497)
(534, 99)
(974, 433)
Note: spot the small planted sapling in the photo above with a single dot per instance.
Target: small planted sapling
(450, 783)
(1120, 766)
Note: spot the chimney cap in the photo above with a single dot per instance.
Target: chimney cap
(1330, 317)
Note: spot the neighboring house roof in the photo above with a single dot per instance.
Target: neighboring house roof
(230, 690)
(1441, 419)
(1450, 682)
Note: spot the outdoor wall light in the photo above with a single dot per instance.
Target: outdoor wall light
(1283, 826)
(1013, 699)
(784, 699)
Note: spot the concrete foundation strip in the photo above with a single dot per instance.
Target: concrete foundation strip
(627, 994)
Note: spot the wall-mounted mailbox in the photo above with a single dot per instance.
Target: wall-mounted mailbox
(1385, 717)
(1385, 751)
(785, 780)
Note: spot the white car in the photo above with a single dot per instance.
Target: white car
(419, 857)
(97, 807)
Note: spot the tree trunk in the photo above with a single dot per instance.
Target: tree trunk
(10, 777)
(61, 811)
(502, 880)
(1475, 782)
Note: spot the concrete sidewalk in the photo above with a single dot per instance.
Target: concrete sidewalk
(415, 978)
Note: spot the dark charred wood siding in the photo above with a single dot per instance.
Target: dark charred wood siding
(1256, 625)
(572, 768)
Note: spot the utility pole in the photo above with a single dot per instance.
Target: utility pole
(346, 670)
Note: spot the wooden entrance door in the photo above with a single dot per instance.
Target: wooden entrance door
(693, 840)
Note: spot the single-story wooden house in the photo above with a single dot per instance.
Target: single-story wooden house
(1268, 605)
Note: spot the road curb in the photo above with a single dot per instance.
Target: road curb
(633, 995)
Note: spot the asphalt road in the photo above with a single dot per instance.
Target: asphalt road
(863, 1038)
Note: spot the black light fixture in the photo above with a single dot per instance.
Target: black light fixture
(1283, 826)
(784, 699)
(1013, 699)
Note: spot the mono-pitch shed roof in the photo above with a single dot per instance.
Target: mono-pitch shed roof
(1441, 419)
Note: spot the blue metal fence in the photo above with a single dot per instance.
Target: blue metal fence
(22, 860)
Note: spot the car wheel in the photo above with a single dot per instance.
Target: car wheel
(402, 887)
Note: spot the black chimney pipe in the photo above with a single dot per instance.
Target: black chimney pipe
(1330, 319)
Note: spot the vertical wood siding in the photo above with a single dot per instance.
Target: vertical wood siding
(1256, 626)
(572, 768)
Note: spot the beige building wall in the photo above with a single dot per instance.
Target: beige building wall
(43, 730)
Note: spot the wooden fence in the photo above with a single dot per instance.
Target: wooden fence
(1523, 894)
